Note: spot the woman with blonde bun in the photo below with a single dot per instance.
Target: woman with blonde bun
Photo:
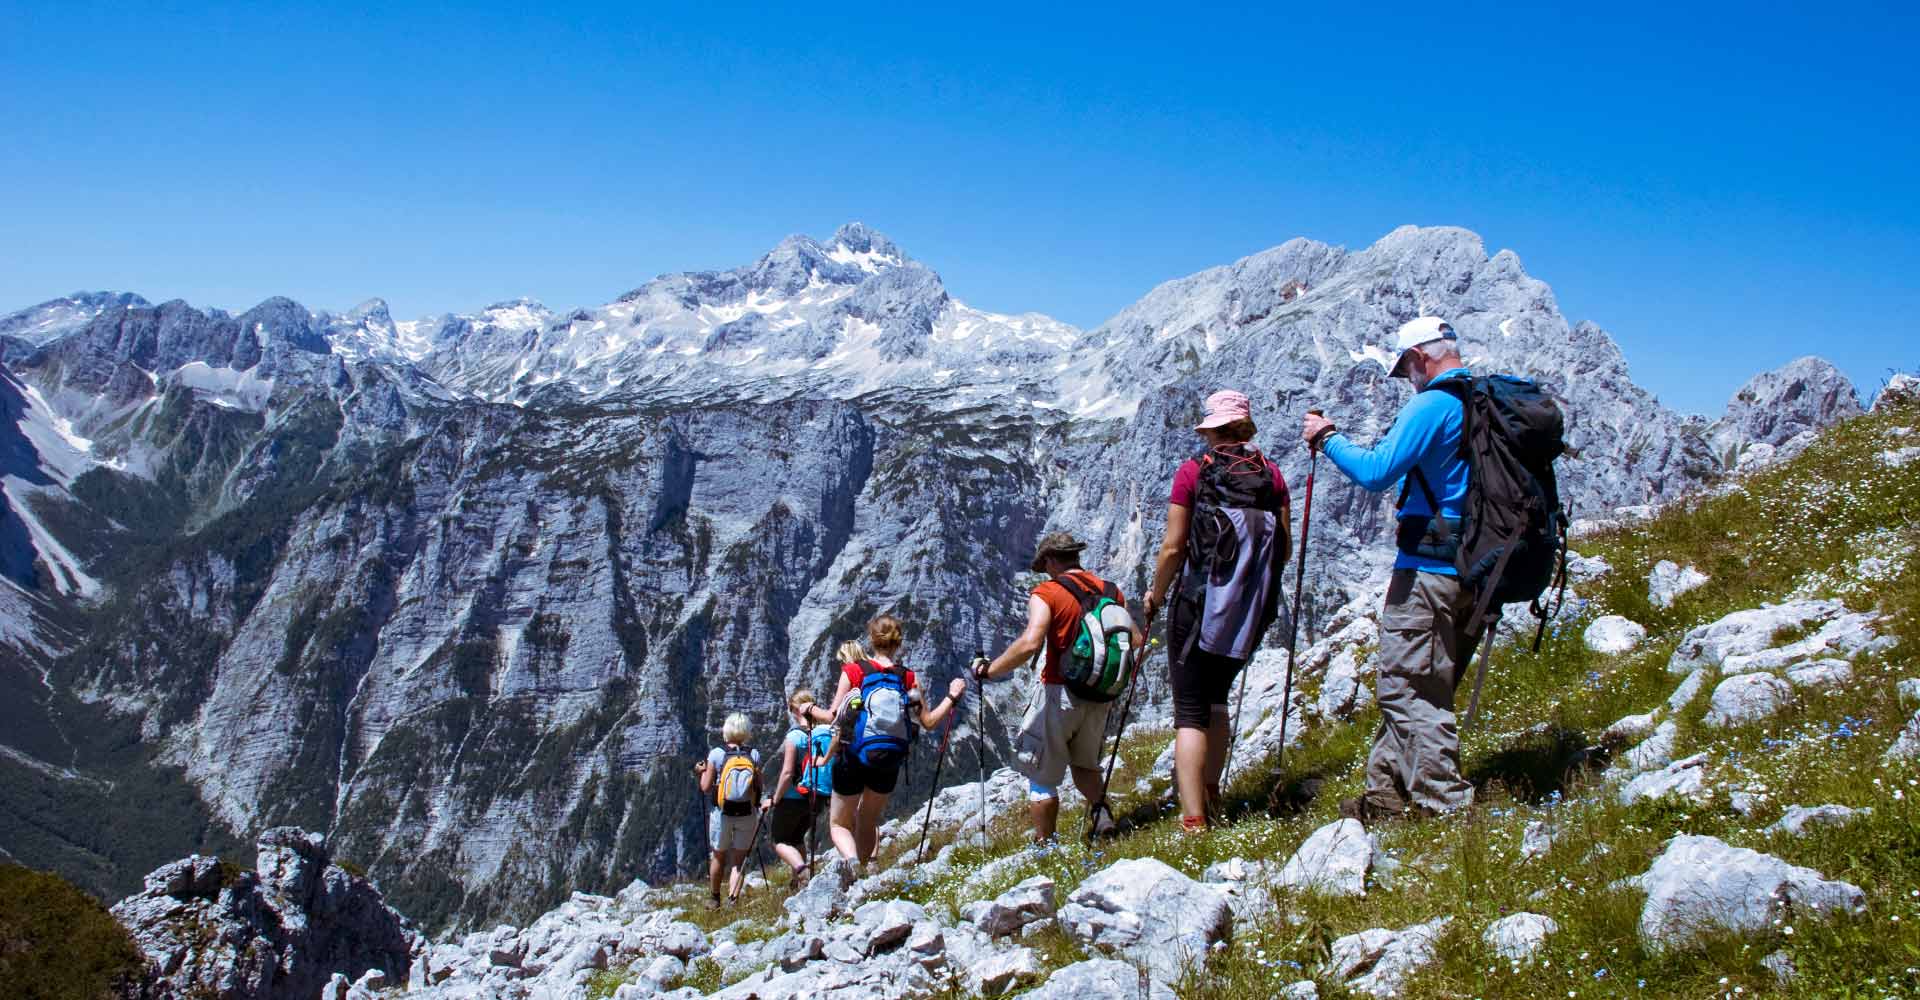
(873, 702)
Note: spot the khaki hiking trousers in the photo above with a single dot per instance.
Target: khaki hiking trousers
(1424, 653)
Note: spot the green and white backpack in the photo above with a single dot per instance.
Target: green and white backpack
(1100, 657)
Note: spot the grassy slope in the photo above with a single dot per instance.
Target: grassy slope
(1801, 529)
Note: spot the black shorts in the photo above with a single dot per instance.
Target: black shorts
(850, 777)
(1200, 680)
(791, 820)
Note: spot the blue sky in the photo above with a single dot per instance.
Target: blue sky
(1724, 187)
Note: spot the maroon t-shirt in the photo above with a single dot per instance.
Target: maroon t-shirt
(1186, 482)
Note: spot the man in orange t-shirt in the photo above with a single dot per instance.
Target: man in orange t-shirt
(1059, 732)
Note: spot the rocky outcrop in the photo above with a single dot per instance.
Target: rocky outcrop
(279, 931)
(1700, 884)
(1775, 408)
(1148, 913)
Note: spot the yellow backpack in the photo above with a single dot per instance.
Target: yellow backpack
(733, 792)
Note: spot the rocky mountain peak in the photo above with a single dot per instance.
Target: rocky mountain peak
(1782, 407)
(281, 929)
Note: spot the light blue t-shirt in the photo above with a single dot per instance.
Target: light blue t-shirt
(1426, 435)
(797, 739)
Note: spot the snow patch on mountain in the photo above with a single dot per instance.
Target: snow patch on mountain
(225, 387)
(69, 579)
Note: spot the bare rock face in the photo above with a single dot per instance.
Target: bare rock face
(1776, 407)
(281, 930)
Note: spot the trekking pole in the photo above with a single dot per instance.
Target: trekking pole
(1126, 707)
(939, 763)
(980, 722)
(1293, 624)
(753, 848)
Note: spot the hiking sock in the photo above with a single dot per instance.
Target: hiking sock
(1193, 824)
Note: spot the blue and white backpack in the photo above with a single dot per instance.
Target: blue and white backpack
(881, 731)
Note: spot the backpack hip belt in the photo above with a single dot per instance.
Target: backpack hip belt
(1430, 537)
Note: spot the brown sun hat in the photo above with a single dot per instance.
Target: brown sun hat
(1052, 542)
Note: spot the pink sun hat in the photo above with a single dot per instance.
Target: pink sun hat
(1225, 407)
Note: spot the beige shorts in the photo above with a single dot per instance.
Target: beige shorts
(1057, 732)
(728, 833)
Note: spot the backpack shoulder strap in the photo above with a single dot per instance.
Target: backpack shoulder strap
(1416, 477)
(1074, 588)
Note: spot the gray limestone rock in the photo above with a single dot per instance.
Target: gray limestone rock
(1535, 841)
(292, 925)
(1519, 937)
(1699, 884)
(1656, 751)
(1005, 970)
(1669, 580)
(1614, 634)
(1101, 979)
(1585, 569)
(1907, 745)
(1144, 911)
(1333, 861)
(887, 923)
(1847, 636)
(1795, 821)
(1686, 778)
(1378, 961)
(1745, 698)
(1343, 690)
(823, 897)
(1822, 675)
(1013, 910)
(1901, 389)
(1781, 965)
(1750, 631)
(1628, 729)
(795, 949)
(1777, 406)
(1688, 690)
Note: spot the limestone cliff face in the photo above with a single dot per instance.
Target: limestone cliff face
(470, 593)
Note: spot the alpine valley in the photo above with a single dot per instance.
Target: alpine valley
(469, 594)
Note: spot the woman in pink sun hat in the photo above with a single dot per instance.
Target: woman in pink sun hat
(1228, 536)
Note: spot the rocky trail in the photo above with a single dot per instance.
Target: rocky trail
(1703, 785)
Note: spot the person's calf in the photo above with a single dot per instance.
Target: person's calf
(1043, 806)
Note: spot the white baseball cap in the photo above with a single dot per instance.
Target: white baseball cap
(1413, 333)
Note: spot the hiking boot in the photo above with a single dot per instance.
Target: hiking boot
(1103, 824)
(1372, 808)
(713, 901)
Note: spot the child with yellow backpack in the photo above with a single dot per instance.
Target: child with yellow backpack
(730, 778)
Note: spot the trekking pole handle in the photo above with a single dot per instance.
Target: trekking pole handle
(1314, 445)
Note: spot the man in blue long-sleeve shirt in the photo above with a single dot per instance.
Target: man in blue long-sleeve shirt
(1424, 645)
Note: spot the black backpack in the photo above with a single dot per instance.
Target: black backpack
(1512, 538)
(1235, 518)
(1231, 475)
